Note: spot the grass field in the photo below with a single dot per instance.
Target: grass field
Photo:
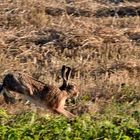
(100, 40)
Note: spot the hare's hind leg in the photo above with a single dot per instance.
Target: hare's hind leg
(9, 99)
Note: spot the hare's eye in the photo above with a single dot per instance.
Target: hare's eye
(75, 94)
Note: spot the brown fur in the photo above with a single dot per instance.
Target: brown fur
(47, 95)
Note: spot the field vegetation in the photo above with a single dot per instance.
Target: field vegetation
(100, 40)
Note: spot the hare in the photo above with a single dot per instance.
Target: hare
(36, 91)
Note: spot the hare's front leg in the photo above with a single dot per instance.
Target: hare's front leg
(60, 107)
(65, 112)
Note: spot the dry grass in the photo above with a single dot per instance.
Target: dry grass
(104, 52)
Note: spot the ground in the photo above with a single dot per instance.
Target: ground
(99, 40)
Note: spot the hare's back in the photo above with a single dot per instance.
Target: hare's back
(21, 82)
(12, 82)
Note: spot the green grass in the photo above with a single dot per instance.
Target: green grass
(113, 124)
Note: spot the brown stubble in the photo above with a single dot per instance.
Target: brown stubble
(102, 52)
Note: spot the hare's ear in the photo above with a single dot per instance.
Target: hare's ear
(63, 75)
(63, 72)
(68, 73)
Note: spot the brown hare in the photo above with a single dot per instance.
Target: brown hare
(49, 96)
